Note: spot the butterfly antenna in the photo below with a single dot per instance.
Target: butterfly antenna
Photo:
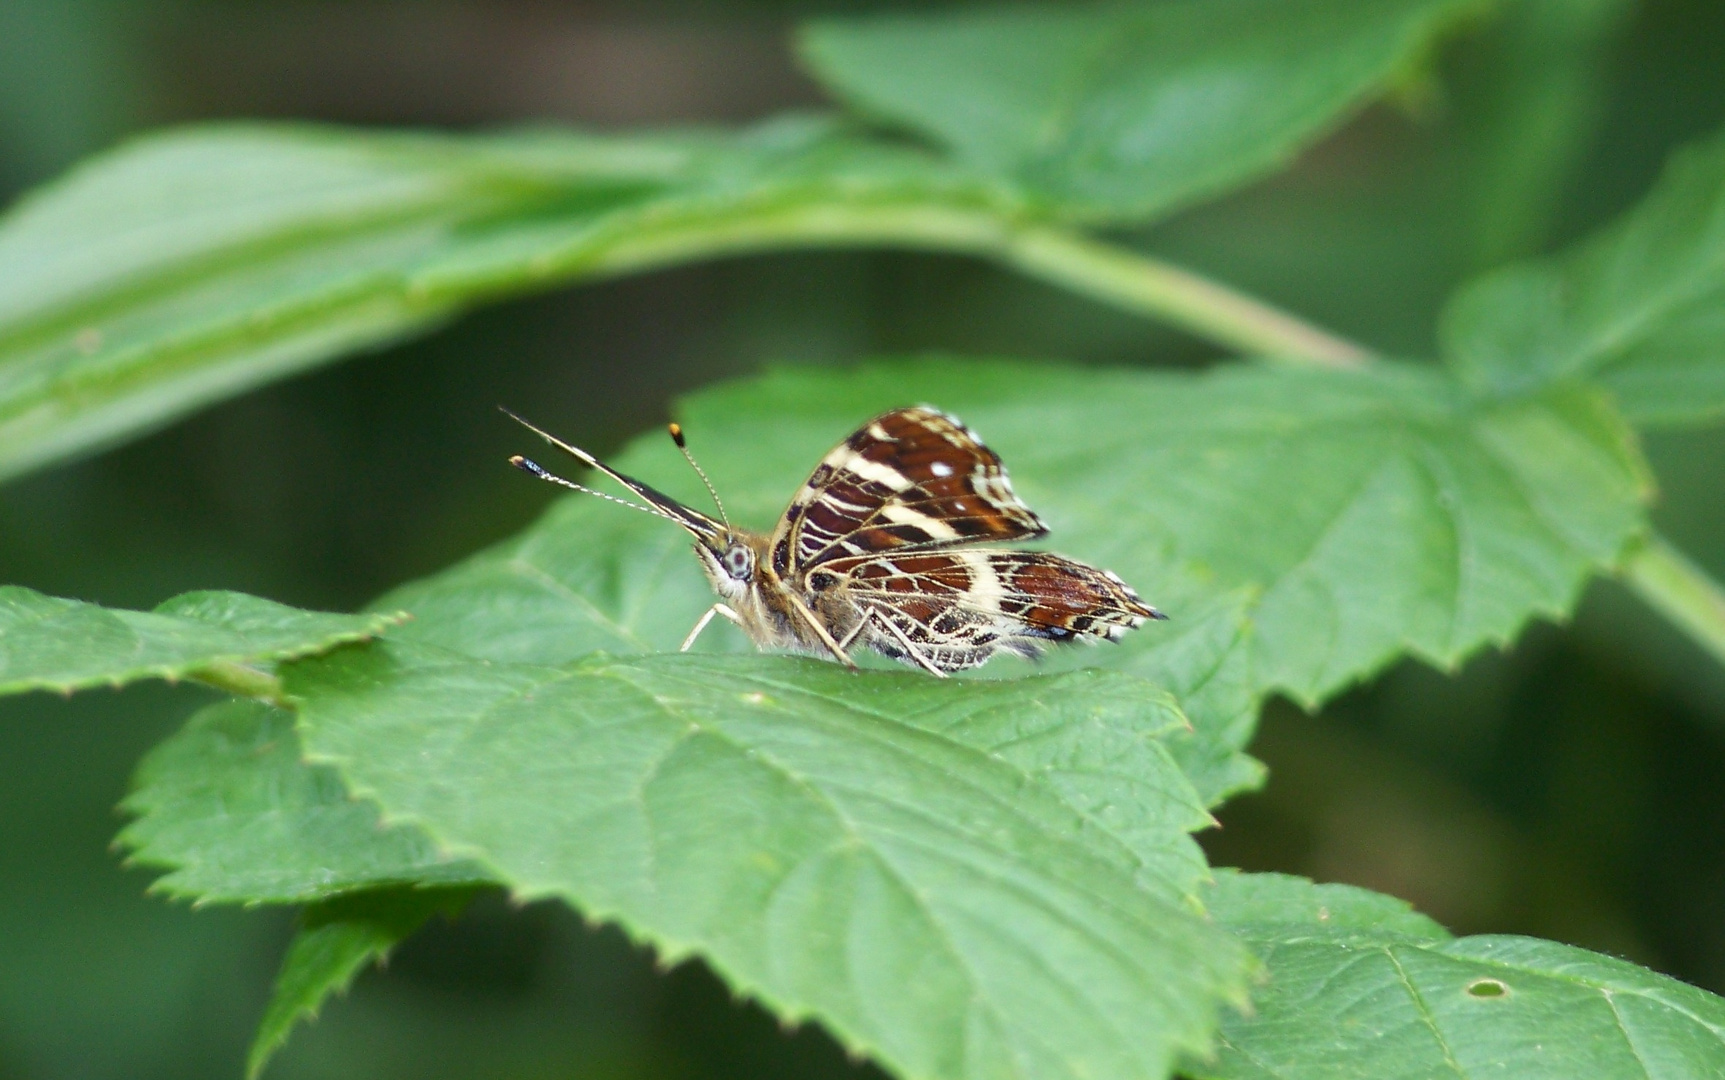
(533, 468)
(677, 437)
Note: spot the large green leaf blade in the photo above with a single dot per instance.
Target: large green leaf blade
(1124, 111)
(231, 811)
(50, 643)
(1368, 513)
(234, 815)
(1358, 986)
(1640, 307)
(195, 264)
(827, 840)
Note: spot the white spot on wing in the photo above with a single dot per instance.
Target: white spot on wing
(899, 514)
(862, 467)
(940, 468)
(986, 590)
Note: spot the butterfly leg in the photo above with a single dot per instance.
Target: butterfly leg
(910, 649)
(855, 632)
(820, 630)
(716, 609)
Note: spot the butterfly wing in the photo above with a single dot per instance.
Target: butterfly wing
(958, 608)
(914, 479)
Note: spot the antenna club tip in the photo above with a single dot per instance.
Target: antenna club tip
(517, 460)
(676, 431)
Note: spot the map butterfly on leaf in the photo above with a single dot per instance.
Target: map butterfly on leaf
(878, 551)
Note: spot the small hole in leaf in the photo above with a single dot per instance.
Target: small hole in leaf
(1487, 988)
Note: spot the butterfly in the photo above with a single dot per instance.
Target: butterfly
(877, 551)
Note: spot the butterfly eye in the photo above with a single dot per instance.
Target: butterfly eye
(739, 563)
(821, 582)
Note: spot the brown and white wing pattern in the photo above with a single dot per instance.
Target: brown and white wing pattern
(956, 609)
(910, 479)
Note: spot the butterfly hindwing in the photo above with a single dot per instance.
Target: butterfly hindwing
(912, 478)
(958, 608)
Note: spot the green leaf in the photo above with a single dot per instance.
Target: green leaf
(192, 265)
(837, 844)
(1356, 515)
(1358, 986)
(1640, 307)
(47, 643)
(1263, 906)
(336, 940)
(1125, 111)
(229, 808)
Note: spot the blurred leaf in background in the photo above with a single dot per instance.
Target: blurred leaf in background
(71, 79)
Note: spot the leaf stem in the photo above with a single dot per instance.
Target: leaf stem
(1106, 272)
(1149, 286)
(244, 680)
(1679, 590)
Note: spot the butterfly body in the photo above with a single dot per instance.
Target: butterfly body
(877, 551)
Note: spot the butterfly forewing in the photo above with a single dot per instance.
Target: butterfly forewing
(913, 478)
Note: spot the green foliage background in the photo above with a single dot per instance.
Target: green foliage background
(1564, 789)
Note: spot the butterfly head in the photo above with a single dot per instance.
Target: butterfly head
(731, 560)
